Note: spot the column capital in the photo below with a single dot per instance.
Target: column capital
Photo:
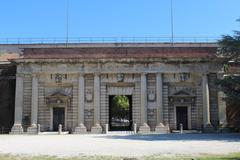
(205, 74)
(81, 74)
(144, 73)
(20, 75)
(35, 75)
(97, 74)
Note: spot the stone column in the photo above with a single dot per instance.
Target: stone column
(81, 101)
(222, 109)
(17, 127)
(34, 106)
(206, 105)
(96, 128)
(222, 113)
(160, 128)
(144, 128)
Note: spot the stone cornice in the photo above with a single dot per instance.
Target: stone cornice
(123, 60)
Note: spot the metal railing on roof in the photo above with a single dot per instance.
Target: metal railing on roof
(60, 40)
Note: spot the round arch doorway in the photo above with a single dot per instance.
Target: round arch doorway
(120, 112)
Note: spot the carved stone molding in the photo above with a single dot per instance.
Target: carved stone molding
(120, 77)
(184, 76)
(89, 95)
(151, 95)
(120, 90)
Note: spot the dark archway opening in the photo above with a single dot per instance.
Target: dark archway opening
(120, 112)
(7, 97)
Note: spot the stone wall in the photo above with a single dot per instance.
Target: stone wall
(27, 98)
(152, 109)
(173, 81)
(43, 109)
(89, 105)
(213, 91)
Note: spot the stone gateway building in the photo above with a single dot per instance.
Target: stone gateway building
(75, 86)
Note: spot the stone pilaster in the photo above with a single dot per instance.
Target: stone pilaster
(206, 105)
(160, 128)
(144, 128)
(17, 127)
(96, 128)
(34, 106)
(81, 101)
(222, 113)
(222, 109)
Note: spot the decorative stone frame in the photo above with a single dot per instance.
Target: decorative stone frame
(182, 99)
(58, 100)
(189, 106)
(51, 117)
(120, 88)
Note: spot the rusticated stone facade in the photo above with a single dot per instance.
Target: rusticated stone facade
(168, 85)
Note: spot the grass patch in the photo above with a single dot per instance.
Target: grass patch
(235, 156)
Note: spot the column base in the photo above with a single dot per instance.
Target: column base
(96, 129)
(33, 129)
(223, 128)
(144, 129)
(208, 128)
(17, 129)
(81, 129)
(161, 129)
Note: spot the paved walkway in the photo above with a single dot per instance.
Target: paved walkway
(120, 145)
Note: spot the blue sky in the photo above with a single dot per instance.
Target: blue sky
(47, 18)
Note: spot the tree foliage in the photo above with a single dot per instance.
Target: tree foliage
(230, 50)
(121, 102)
(230, 85)
(120, 107)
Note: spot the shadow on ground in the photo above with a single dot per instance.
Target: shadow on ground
(176, 137)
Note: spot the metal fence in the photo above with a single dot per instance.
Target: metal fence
(59, 40)
(5, 130)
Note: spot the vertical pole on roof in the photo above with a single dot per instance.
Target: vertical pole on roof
(172, 40)
(67, 18)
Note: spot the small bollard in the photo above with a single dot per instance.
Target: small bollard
(38, 129)
(60, 129)
(181, 128)
(135, 128)
(106, 128)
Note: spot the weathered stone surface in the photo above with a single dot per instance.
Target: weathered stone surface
(161, 129)
(144, 129)
(86, 77)
(81, 129)
(17, 129)
(96, 129)
(33, 129)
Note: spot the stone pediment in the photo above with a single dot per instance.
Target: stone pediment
(58, 94)
(182, 93)
(58, 98)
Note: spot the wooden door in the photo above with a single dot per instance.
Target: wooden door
(58, 118)
(182, 117)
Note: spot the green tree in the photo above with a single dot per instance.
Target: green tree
(121, 102)
(120, 106)
(230, 50)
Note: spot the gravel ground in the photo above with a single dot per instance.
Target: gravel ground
(120, 145)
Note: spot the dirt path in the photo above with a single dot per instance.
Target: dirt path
(120, 145)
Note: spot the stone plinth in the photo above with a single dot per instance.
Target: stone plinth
(161, 129)
(81, 129)
(144, 129)
(17, 129)
(33, 129)
(208, 128)
(96, 129)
